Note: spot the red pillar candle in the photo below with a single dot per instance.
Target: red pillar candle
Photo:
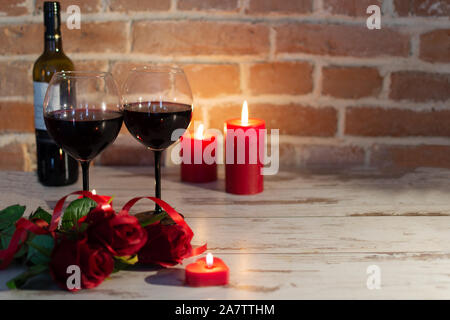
(246, 177)
(208, 271)
(194, 168)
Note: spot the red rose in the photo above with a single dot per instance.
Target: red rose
(94, 261)
(97, 215)
(121, 234)
(167, 245)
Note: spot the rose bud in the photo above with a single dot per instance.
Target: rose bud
(167, 245)
(122, 235)
(94, 261)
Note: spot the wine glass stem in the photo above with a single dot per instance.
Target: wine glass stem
(158, 178)
(85, 168)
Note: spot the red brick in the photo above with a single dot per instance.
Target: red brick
(96, 37)
(281, 78)
(92, 37)
(289, 155)
(86, 6)
(351, 82)
(14, 7)
(291, 119)
(372, 121)
(420, 86)
(91, 65)
(354, 8)
(22, 39)
(16, 78)
(208, 81)
(16, 116)
(208, 5)
(320, 156)
(340, 40)
(139, 5)
(200, 38)
(277, 6)
(333, 156)
(424, 8)
(435, 46)
(410, 156)
(126, 151)
(12, 157)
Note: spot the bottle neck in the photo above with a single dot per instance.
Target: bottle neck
(52, 23)
(53, 43)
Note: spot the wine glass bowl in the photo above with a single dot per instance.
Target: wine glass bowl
(157, 101)
(83, 114)
(157, 109)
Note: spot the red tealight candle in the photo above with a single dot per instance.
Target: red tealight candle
(243, 174)
(193, 165)
(207, 271)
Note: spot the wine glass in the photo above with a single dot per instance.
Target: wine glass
(83, 114)
(157, 101)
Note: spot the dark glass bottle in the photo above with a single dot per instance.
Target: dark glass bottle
(54, 166)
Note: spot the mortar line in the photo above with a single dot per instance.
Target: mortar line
(315, 18)
(388, 64)
(308, 100)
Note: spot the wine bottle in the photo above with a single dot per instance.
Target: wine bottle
(54, 166)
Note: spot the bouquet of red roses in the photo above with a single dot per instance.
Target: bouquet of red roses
(83, 244)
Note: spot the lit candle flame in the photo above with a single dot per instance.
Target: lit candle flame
(94, 192)
(244, 114)
(60, 151)
(199, 133)
(209, 260)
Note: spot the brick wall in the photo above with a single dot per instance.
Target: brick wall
(341, 95)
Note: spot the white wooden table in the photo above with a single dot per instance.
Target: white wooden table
(307, 236)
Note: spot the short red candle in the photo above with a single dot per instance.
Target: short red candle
(198, 274)
(244, 178)
(197, 170)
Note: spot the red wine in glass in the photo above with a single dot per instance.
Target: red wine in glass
(83, 133)
(152, 123)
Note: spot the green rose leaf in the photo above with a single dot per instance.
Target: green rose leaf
(21, 279)
(6, 235)
(5, 238)
(40, 249)
(146, 219)
(10, 215)
(76, 209)
(41, 214)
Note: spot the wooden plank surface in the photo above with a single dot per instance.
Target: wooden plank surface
(309, 235)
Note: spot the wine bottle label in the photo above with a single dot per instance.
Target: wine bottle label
(39, 94)
(40, 88)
